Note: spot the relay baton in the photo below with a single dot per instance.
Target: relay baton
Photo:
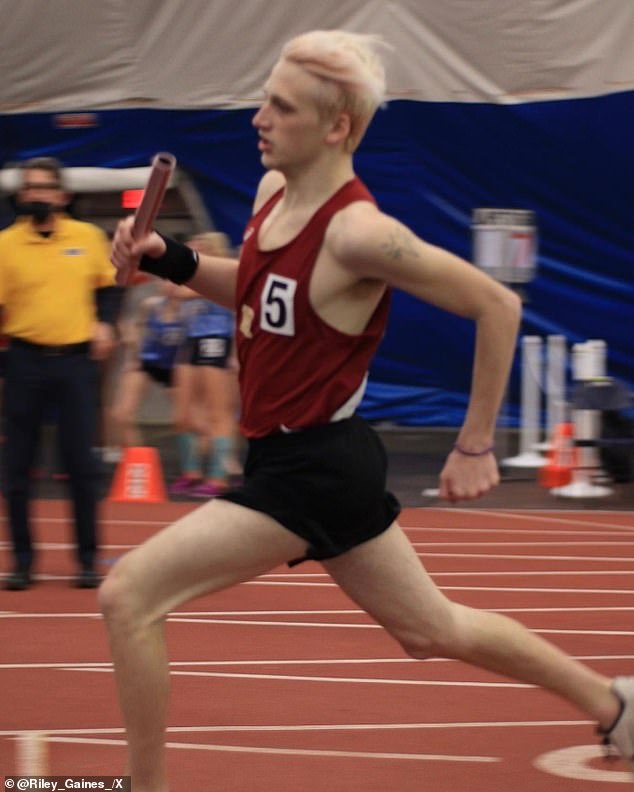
(163, 166)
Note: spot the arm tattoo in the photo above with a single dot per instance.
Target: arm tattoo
(399, 245)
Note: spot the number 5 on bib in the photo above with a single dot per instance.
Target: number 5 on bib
(277, 309)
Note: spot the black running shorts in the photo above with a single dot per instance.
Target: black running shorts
(325, 484)
(158, 374)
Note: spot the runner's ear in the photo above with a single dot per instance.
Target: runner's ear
(340, 129)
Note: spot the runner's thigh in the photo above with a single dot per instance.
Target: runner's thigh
(214, 547)
(385, 577)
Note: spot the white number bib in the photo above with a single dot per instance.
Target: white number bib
(212, 347)
(277, 305)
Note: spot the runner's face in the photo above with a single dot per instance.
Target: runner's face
(289, 126)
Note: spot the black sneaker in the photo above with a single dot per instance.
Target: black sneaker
(18, 580)
(87, 579)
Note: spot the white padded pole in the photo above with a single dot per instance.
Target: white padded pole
(556, 359)
(531, 386)
(588, 363)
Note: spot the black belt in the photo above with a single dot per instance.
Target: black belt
(81, 348)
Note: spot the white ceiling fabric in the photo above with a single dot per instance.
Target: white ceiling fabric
(97, 54)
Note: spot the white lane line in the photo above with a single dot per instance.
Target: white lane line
(524, 510)
(561, 610)
(68, 546)
(345, 611)
(336, 680)
(52, 545)
(520, 515)
(559, 631)
(466, 573)
(428, 529)
(372, 626)
(320, 727)
(290, 751)
(323, 579)
(181, 615)
(7, 615)
(42, 520)
(538, 590)
(546, 530)
(611, 537)
(508, 556)
(537, 573)
(310, 584)
(317, 625)
(89, 665)
(426, 515)
(540, 543)
(459, 588)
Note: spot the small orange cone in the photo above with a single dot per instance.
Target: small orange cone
(561, 459)
(139, 477)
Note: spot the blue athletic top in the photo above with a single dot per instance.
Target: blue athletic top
(161, 339)
(205, 318)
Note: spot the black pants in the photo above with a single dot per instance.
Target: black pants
(40, 384)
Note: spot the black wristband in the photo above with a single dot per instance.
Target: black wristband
(178, 263)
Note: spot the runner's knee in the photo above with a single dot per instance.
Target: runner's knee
(119, 595)
(433, 637)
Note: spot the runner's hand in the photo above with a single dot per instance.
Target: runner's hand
(126, 250)
(466, 477)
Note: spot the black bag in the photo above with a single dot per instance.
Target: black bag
(617, 457)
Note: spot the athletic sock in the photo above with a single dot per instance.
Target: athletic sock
(188, 452)
(216, 468)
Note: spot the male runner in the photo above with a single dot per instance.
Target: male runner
(311, 292)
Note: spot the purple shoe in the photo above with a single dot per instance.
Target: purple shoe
(207, 490)
(183, 485)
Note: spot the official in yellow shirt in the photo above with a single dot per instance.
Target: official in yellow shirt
(48, 283)
(59, 305)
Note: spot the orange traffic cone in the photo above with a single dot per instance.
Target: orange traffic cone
(138, 477)
(561, 459)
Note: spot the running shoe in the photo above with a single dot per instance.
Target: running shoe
(207, 489)
(619, 737)
(183, 485)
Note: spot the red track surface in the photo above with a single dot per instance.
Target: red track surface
(281, 685)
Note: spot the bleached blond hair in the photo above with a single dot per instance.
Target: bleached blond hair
(350, 70)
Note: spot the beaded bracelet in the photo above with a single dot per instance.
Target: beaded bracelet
(457, 447)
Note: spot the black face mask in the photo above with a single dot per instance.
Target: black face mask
(40, 211)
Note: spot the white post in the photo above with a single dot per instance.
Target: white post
(589, 362)
(555, 383)
(529, 406)
(555, 388)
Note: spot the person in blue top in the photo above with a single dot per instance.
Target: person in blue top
(152, 342)
(205, 396)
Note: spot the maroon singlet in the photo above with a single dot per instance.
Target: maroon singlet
(296, 371)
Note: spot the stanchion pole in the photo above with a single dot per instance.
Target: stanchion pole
(555, 383)
(589, 363)
(555, 388)
(529, 406)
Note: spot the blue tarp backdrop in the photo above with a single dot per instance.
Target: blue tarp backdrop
(429, 164)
